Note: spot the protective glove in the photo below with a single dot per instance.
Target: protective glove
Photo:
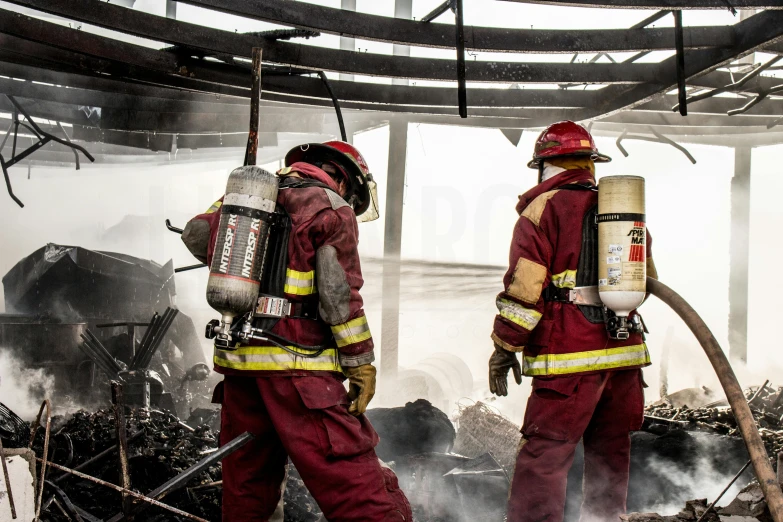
(499, 364)
(361, 387)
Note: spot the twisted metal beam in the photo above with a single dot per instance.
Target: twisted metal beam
(424, 34)
(175, 32)
(663, 4)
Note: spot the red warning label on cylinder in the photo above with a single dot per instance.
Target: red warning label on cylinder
(638, 249)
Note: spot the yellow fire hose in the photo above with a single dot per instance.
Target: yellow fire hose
(737, 401)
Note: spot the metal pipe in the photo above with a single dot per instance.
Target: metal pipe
(7, 482)
(48, 405)
(739, 404)
(173, 228)
(758, 392)
(255, 103)
(118, 401)
(432, 15)
(717, 499)
(682, 93)
(121, 490)
(183, 478)
(462, 92)
(189, 267)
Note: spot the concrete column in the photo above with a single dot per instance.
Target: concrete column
(738, 256)
(402, 9)
(347, 43)
(171, 9)
(392, 243)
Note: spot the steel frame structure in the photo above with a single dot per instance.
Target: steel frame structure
(178, 96)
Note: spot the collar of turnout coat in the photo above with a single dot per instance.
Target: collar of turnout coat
(564, 178)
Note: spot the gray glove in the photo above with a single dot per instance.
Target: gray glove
(499, 364)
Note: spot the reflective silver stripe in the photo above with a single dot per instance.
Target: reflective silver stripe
(565, 279)
(250, 201)
(518, 314)
(299, 283)
(274, 358)
(595, 360)
(352, 332)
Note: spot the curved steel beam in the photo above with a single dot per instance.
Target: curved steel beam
(309, 57)
(368, 96)
(752, 34)
(662, 4)
(492, 39)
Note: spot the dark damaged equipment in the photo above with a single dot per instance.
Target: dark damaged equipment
(78, 314)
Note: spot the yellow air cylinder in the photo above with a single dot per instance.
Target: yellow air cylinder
(622, 243)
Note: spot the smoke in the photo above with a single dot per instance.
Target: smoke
(694, 465)
(23, 389)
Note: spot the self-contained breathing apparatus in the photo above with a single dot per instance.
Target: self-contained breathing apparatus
(248, 271)
(611, 274)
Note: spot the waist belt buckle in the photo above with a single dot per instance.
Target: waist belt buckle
(268, 306)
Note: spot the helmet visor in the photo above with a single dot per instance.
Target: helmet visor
(371, 214)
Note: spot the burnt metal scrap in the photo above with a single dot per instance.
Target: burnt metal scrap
(80, 314)
(658, 138)
(159, 449)
(174, 471)
(41, 135)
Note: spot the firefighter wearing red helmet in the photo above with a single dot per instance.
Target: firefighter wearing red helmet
(297, 406)
(586, 386)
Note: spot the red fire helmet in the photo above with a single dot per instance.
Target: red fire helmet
(362, 194)
(565, 138)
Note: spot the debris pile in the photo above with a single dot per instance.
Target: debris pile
(481, 429)
(748, 506)
(694, 509)
(160, 447)
(765, 402)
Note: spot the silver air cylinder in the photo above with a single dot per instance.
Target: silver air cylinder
(622, 247)
(235, 273)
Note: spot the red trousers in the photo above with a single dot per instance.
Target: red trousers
(304, 417)
(602, 409)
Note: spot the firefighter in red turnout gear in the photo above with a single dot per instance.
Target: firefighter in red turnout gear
(297, 406)
(585, 385)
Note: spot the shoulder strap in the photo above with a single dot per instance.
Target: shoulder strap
(291, 182)
(578, 186)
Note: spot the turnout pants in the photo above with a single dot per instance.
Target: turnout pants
(304, 417)
(602, 409)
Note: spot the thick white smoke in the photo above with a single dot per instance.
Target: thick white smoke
(23, 389)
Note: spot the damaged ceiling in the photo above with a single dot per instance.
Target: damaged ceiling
(139, 101)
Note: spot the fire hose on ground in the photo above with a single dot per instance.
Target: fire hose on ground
(739, 404)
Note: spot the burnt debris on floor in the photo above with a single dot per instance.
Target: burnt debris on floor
(450, 472)
(765, 401)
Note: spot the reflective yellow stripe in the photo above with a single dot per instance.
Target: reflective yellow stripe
(273, 358)
(352, 332)
(518, 314)
(214, 208)
(565, 279)
(566, 363)
(299, 283)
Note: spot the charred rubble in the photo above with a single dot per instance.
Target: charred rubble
(450, 472)
(714, 422)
